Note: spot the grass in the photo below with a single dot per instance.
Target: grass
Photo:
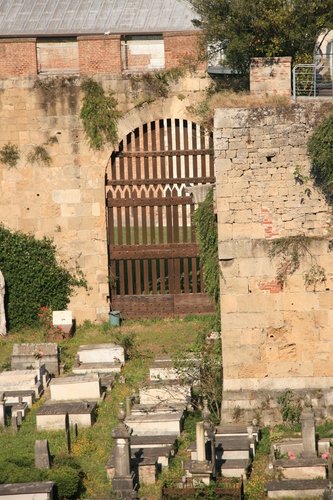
(145, 339)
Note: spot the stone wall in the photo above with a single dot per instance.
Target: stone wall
(275, 334)
(66, 200)
(270, 76)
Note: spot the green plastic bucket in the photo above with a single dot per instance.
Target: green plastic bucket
(114, 318)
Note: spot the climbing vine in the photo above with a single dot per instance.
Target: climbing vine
(207, 237)
(320, 149)
(290, 250)
(99, 115)
(151, 86)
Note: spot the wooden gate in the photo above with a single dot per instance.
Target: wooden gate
(153, 256)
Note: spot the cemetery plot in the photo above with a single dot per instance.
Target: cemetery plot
(101, 358)
(76, 388)
(53, 416)
(27, 491)
(24, 355)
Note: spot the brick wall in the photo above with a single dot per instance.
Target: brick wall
(58, 57)
(18, 57)
(274, 335)
(99, 55)
(270, 76)
(178, 46)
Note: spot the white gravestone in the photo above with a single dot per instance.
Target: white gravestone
(3, 330)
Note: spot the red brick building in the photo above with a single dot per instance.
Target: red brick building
(86, 37)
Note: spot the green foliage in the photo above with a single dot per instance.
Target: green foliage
(40, 156)
(290, 409)
(33, 277)
(263, 28)
(206, 233)
(289, 249)
(99, 115)
(9, 154)
(68, 481)
(154, 85)
(320, 149)
(314, 276)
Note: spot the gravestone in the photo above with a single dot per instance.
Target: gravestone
(2, 411)
(68, 436)
(123, 480)
(24, 355)
(76, 388)
(64, 320)
(3, 330)
(42, 454)
(308, 433)
(14, 424)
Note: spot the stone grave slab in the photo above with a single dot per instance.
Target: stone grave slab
(15, 397)
(296, 489)
(144, 468)
(162, 391)
(53, 416)
(101, 353)
(38, 371)
(153, 424)
(307, 468)
(42, 454)
(27, 491)
(21, 380)
(76, 388)
(24, 356)
(16, 408)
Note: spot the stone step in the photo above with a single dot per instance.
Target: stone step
(233, 467)
(148, 409)
(237, 430)
(158, 441)
(97, 368)
(297, 488)
(154, 424)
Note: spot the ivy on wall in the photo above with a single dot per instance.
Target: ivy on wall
(207, 237)
(34, 278)
(99, 115)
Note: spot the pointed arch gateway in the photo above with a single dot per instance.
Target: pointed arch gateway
(154, 262)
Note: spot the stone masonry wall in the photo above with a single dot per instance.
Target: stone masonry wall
(274, 336)
(66, 200)
(270, 76)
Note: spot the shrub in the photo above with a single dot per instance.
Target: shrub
(9, 155)
(68, 481)
(33, 277)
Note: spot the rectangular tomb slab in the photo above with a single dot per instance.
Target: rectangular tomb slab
(52, 416)
(101, 353)
(15, 397)
(297, 488)
(76, 388)
(24, 356)
(168, 391)
(148, 425)
(18, 386)
(27, 491)
(102, 368)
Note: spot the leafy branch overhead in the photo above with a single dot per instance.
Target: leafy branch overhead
(263, 28)
(99, 115)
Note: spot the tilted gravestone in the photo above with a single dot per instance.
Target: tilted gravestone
(42, 454)
(3, 330)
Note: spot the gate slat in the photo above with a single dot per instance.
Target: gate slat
(120, 242)
(128, 242)
(185, 260)
(144, 242)
(136, 241)
(194, 146)
(137, 148)
(153, 147)
(176, 262)
(194, 260)
(153, 242)
(111, 242)
(160, 241)
(129, 159)
(145, 147)
(178, 161)
(203, 156)
(187, 161)
(162, 148)
(211, 156)
(170, 158)
(169, 240)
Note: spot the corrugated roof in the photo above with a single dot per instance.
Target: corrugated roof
(84, 17)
